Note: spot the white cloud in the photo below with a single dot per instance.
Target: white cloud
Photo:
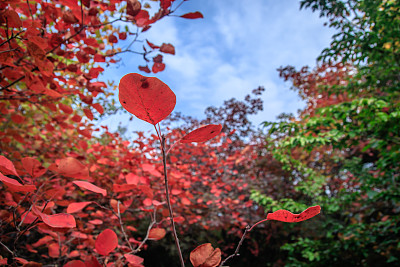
(237, 47)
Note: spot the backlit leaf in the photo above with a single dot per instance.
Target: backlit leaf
(147, 98)
(202, 134)
(287, 216)
(106, 242)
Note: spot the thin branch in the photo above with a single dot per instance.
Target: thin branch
(122, 227)
(30, 10)
(12, 37)
(9, 250)
(236, 253)
(171, 214)
(153, 221)
(6, 51)
(257, 223)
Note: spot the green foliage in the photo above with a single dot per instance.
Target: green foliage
(344, 154)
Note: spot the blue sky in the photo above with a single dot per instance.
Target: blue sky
(236, 47)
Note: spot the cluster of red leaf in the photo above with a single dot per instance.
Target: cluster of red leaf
(72, 198)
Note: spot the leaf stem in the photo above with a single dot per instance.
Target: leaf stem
(171, 215)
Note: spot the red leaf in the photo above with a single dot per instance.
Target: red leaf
(118, 188)
(153, 46)
(158, 58)
(193, 15)
(15, 186)
(98, 107)
(133, 7)
(165, 4)
(145, 69)
(17, 118)
(112, 39)
(202, 134)
(60, 220)
(156, 234)
(287, 216)
(33, 167)
(132, 178)
(75, 263)
(66, 108)
(54, 250)
(88, 113)
(205, 256)
(147, 98)
(13, 20)
(90, 187)
(7, 167)
(167, 48)
(106, 242)
(92, 262)
(77, 206)
(142, 18)
(157, 67)
(122, 35)
(133, 259)
(71, 167)
(42, 241)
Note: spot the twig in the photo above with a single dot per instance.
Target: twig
(122, 227)
(236, 253)
(171, 215)
(9, 250)
(153, 221)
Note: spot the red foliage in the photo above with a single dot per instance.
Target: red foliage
(68, 191)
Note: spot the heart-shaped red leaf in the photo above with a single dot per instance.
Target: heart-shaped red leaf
(147, 98)
(106, 242)
(90, 187)
(287, 216)
(202, 134)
